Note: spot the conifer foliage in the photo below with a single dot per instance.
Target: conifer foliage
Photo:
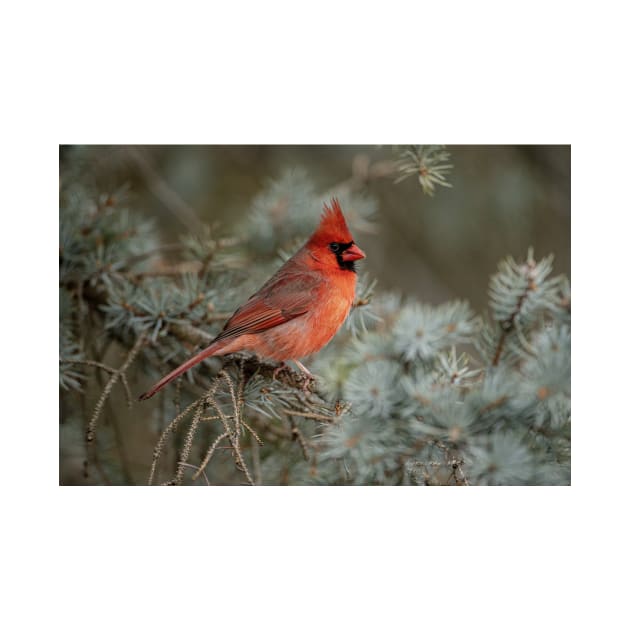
(407, 392)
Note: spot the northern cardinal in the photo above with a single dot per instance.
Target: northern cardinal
(299, 309)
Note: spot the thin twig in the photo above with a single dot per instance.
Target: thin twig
(254, 434)
(210, 418)
(509, 324)
(97, 364)
(297, 435)
(169, 429)
(457, 467)
(185, 454)
(206, 459)
(106, 368)
(198, 406)
(235, 405)
(238, 455)
(310, 414)
(187, 465)
(257, 464)
(110, 384)
(125, 382)
(273, 432)
(239, 399)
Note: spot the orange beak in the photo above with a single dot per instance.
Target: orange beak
(353, 252)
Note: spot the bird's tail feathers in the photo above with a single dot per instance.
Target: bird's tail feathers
(212, 350)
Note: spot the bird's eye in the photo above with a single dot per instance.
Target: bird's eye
(335, 247)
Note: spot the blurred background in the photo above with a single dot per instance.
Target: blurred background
(503, 199)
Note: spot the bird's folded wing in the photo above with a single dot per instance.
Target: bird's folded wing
(285, 297)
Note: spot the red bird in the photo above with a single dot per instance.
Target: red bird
(299, 309)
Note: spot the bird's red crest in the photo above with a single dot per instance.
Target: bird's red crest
(332, 226)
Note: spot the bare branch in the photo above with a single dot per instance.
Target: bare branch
(311, 414)
(110, 384)
(206, 459)
(186, 465)
(185, 454)
(299, 437)
(254, 434)
(169, 429)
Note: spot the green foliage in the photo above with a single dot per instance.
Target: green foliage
(407, 392)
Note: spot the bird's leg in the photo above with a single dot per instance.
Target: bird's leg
(309, 376)
(303, 368)
(282, 366)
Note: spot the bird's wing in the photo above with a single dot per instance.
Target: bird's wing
(284, 297)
